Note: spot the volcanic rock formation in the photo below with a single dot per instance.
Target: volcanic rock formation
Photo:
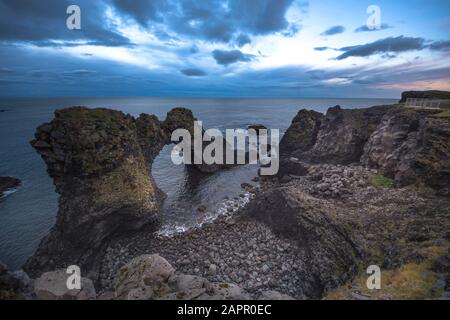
(100, 161)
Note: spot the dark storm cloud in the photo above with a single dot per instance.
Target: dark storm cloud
(242, 40)
(142, 11)
(39, 22)
(333, 30)
(193, 72)
(214, 20)
(43, 22)
(226, 58)
(388, 45)
(260, 17)
(364, 28)
(440, 45)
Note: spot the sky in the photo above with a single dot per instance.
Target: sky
(224, 48)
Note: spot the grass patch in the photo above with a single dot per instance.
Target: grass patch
(381, 182)
(443, 114)
(423, 188)
(411, 281)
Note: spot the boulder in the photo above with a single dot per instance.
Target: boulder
(144, 278)
(151, 277)
(53, 286)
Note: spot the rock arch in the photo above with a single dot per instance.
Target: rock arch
(100, 161)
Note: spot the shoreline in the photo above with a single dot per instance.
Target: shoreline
(356, 188)
(248, 253)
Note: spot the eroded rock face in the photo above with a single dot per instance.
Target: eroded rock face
(329, 255)
(411, 146)
(337, 138)
(408, 145)
(302, 134)
(343, 134)
(100, 162)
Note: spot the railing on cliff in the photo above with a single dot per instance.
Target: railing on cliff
(427, 103)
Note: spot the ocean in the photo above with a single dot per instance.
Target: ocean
(27, 214)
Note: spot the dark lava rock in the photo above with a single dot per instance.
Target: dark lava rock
(7, 183)
(408, 145)
(343, 134)
(411, 146)
(329, 254)
(302, 134)
(292, 166)
(100, 161)
(337, 138)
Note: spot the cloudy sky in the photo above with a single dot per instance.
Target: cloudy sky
(278, 48)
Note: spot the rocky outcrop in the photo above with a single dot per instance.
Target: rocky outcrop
(338, 137)
(411, 146)
(292, 166)
(8, 183)
(100, 161)
(343, 134)
(408, 145)
(302, 134)
(431, 94)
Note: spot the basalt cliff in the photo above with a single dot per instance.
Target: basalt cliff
(100, 161)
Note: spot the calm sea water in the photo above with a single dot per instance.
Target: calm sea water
(27, 214)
